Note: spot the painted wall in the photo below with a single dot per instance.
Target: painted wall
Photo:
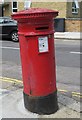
(65, 10)
(8, 8)
(60, 6)
(69, 13)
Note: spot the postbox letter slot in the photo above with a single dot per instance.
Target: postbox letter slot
(42, 28)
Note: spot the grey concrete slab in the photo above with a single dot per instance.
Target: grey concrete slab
(68, 35)
(13, 107)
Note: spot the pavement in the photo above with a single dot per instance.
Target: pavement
(68, 35)
(11, 95)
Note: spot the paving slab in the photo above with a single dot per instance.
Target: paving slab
(68, 35)
(13, 107)
(12, 104)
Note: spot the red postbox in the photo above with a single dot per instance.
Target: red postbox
(36, 38)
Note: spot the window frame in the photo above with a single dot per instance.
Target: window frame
(75, 7)
(16, 8)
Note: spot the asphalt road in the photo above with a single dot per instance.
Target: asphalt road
(67, 63)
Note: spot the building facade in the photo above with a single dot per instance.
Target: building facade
(9, 8)
(71, 11)
(73, 16)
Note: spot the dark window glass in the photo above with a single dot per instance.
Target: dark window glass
(14, 10)
(74, 5)
(74, 9)
(14, 4)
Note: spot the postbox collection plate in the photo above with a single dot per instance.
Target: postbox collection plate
(43, 44)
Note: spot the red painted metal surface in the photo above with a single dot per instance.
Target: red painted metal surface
(38, 67)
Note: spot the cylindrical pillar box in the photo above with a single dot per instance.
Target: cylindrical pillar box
(36, 38)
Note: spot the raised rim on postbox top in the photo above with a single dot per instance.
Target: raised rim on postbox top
(35, 12)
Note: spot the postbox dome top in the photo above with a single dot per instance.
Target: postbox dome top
(35, 12)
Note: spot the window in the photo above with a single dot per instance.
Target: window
(14, 6)
(27, 4)
(75, 7)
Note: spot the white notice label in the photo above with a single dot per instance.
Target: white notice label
(43, 44)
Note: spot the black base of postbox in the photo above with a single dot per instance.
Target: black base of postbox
(41, 105)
